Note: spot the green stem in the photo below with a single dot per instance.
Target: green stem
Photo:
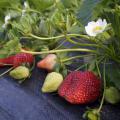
(32, 10)
(6, 71)
(81, 44)
(17, 9)
(4, 64)
(80, 67)
(57, 37)
(75, 57)
(101, 45)
(24, 37)
(60, 44)
(59, 51)
(20, 10)
(74, 42)
(33, 66)
(117, 60)
(98, 69)
(100, 59)
(79, 35)
(45, 38)
(104, 80)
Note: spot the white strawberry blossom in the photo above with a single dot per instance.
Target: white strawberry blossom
(94, 28)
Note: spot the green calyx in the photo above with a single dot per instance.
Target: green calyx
(20, 72)
(52, 82)
(92, 114)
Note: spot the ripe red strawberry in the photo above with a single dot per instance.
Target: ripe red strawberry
(21, 58)
(80, 87)
(6, 61)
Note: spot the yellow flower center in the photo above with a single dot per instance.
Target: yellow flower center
(97, 28)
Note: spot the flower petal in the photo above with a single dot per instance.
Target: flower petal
(104, 23)
(91, 24)
(89, 31)
(99, 22)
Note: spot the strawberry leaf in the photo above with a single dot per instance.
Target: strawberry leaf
(86, 9)
(41, 5)
(10, 48)
(113, 74)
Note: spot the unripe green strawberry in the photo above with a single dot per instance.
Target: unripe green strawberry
(20, 72)
(52, 82)
(112, 95)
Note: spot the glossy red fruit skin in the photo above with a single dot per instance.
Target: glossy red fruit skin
(80, 87)
(21, 58)
(8, 60)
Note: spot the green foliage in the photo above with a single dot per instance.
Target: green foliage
(41, 5)
(10, 48)
(113, 74)
(6, 4)
(43, 18)
(14, 14)
(104, 5)
(58, 20)
(24, 25)
(71, 3)
(86, 9)
(113, 17)
(9, 3)
(110, 10)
